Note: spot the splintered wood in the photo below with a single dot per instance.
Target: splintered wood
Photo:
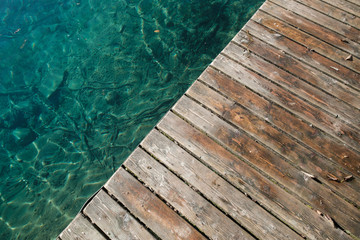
(264, 145)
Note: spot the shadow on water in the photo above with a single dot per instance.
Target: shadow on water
(81, 83)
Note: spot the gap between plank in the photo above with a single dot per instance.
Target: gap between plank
(221, 176)
(164, 201)
(198, 191)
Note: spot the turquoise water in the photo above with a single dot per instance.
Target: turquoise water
(82, 83)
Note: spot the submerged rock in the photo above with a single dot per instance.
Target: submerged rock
(113, 98)
(24, 136)
(52, 79)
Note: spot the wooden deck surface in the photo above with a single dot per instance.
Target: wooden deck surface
(264, 145)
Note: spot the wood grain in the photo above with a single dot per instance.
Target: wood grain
(267, 161)
(308, 41)
(321, 19)
(260, 85)
(81, 229)
(293, 84)
(190, 204)
(271, 112)
(341, 10)
(305, 55)
(312, 28)
(229, 199)
(115, 221)
(154, 213)
(309, 161)
(310, 75)
(356, 2)
(278, 201)
(342, 7)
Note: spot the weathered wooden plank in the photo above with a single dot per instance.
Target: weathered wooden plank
(300, 70)
(154, 213)
(312, 28)
(184, 199)
(113, 220)
(307, 41)
(312, 137)
(80, 228)
(267, 161)
(308, 160)
(348, 6)
(356, 2)
(278, 201)
(229, 199)
(296, 86)
(331, 68)
(320, 18)
(278, 95)
(351, 17)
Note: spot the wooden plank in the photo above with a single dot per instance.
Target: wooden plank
(327, 123)
(307, 40)
(308, 160)
(267, 161)
(305, 55)
(312, 28)
(351, 6)
(356, 2)
(350, 17)
(278, 201)
(312, 137)
(113, 220)
(143, 204)
(320, 18)
(291, 83)
(293, 66)
(229, 199)
(80, 228)
(184, 199)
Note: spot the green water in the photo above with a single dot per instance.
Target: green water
(82, 83)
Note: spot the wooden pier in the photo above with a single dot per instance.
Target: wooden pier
(264, 145)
